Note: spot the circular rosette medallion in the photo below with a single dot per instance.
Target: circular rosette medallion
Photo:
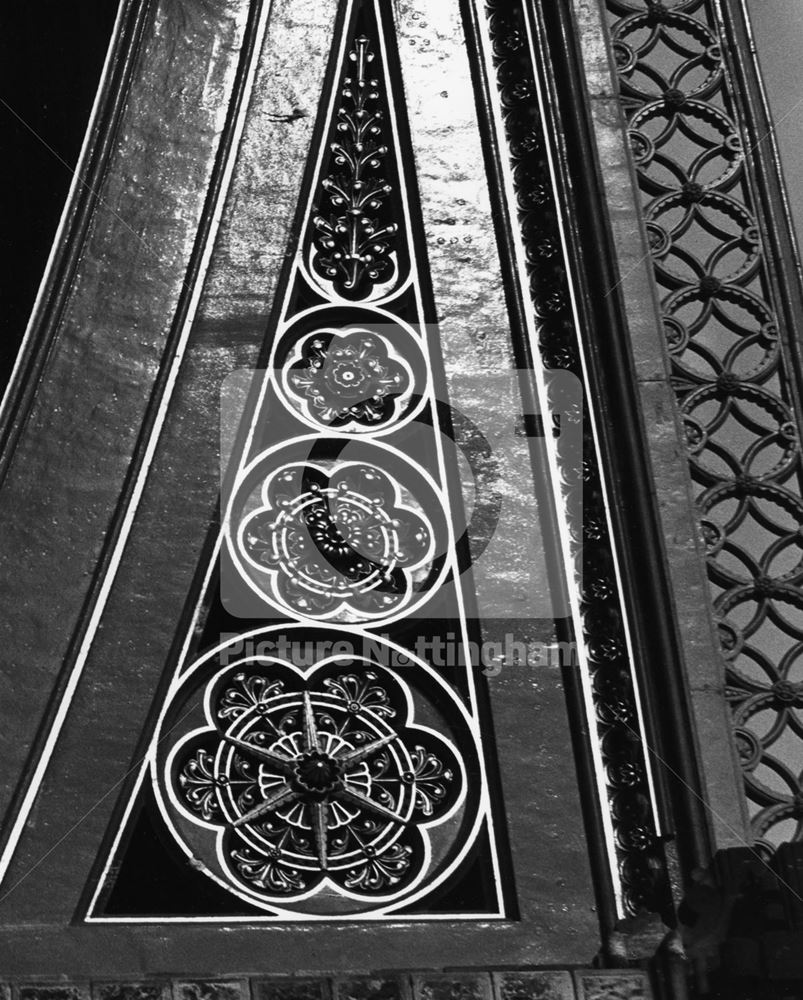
(330, 791)
(350, 539)
(353, 378)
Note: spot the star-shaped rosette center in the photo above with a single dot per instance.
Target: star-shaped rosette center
(317, 774)
(316, 785)
(315, 778)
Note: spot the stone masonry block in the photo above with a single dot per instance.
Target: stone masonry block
(291, 989)
(534, 986)
(457, 987)
(205, 989)
(56, 991)
(131, 991)
(371, 988)
(612, 985)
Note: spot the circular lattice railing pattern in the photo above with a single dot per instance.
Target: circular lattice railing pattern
(731, 376)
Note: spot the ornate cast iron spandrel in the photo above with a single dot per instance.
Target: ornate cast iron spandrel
(345, 786)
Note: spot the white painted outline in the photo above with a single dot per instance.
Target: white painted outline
(303, 407)
(414, 269)
(386, 902)
(569, 568)
(485, 812)
(388, 294)
(238, 552)
(482, 815)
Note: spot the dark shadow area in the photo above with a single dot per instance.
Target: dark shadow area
(51, 57)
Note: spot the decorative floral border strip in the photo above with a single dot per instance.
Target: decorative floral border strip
(639, 868)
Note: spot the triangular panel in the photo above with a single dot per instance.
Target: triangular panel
(314, 765)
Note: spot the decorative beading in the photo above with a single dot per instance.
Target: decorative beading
(639, 857)
(732, 376)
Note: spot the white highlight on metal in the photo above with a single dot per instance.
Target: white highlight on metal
(485, 793)
(139, 486)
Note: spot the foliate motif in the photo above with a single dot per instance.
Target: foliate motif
(354, 241)
(349, 379)
(337, 545)
(299, 789)
(337, 790)
(732, 378)
(640, 859)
